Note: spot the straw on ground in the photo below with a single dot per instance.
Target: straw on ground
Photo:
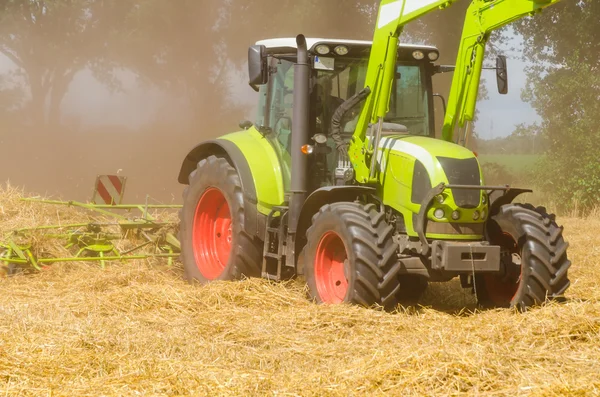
(139, 329)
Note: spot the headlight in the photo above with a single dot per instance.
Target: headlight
(476, 215)
(320, 138)
(433, 56)
(341, 50)
(456, 215)
(483, 215)
(439, 213)
(418, 55)
(322, 49)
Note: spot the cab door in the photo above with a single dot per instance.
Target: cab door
(278, 111)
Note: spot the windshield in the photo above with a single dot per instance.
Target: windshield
(409, 104)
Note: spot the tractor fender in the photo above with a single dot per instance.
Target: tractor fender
(317, 199)
(506, 198)
(253, 222)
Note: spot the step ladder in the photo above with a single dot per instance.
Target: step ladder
(278, 253)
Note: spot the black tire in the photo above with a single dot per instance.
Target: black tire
(245, 254)
(533, 236)
(412, 288)
(371, 266)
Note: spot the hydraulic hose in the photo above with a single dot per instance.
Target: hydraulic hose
(336, 120)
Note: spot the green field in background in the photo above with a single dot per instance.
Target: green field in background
(514, 163)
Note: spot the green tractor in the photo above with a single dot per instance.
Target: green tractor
(340, 177)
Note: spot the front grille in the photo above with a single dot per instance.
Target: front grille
(463, 172)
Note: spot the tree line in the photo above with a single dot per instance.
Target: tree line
(189, 48)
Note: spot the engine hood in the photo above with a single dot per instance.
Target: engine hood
(424, 149)
(417, 164)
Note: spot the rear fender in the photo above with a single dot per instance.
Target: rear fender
(317, 199)
(251, 158)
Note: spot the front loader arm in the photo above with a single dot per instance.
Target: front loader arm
(483, 17)
(393, 16)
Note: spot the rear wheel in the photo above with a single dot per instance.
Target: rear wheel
(214, 244)
(350, 256)
(534, 262)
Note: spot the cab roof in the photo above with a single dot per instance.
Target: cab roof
(288, 44)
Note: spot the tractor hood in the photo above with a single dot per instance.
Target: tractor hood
(425, 149)
(420, 163)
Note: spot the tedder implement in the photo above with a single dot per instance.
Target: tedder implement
(120, 233)
(340, 178)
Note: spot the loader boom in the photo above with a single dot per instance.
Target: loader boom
(393, 16)
(483, 17)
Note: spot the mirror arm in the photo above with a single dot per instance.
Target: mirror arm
(438, 69)
(443, 101)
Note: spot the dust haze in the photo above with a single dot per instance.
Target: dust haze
(132, 86)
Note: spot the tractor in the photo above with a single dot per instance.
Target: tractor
(342, 178)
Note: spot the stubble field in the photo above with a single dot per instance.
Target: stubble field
(139, 329)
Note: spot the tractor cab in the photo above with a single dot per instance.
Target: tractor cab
(339, 69)
(338, 72)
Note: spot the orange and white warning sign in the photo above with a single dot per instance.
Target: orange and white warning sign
(109, 189)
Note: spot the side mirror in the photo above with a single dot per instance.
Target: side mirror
(502, 74)
(257, 66)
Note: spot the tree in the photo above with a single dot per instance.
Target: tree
(194, 49)
(563, 43)
(50, 41)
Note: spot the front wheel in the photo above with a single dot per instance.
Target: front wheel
(534, 261)
(350, 256)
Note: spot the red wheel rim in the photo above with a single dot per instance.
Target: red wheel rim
(330, 266)
(212, 234)
(502, 290)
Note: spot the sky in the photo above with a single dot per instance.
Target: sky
(89, 102)
(499, 115)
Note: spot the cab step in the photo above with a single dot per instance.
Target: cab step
(274, 252)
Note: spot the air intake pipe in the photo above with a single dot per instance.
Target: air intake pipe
(300, 134)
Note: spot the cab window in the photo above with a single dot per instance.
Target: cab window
(281, 102)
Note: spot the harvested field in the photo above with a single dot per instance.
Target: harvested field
(138, 329)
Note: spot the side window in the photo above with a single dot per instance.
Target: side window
(409, 103)
(281, 104)
(411, 100)
(262, 106)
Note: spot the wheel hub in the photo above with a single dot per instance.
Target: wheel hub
(331, 268)
(212, 234)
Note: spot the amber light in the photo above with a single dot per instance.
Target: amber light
(307, 149)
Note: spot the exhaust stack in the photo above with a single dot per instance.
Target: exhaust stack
(300, 134)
